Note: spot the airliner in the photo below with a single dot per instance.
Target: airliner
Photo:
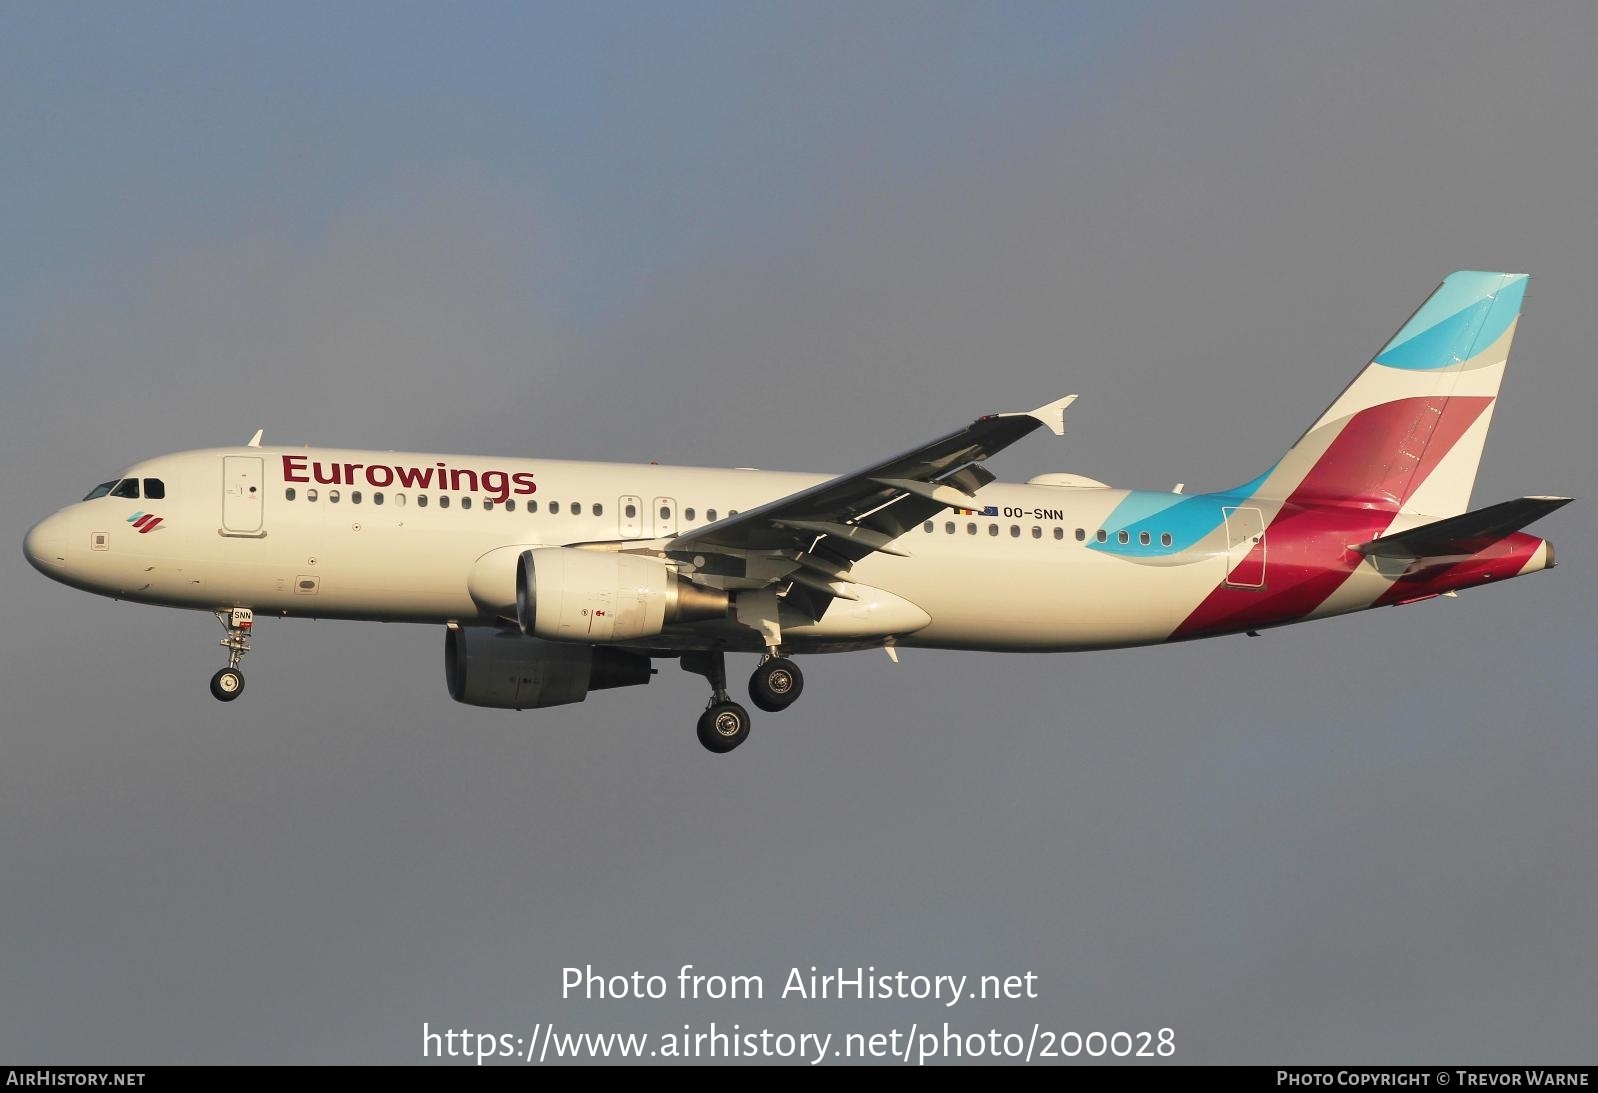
(555, 578)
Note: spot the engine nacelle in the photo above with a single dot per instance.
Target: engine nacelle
(600, 596)
(510, 671)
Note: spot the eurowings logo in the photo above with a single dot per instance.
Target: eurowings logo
(144, 522)
(991, 510)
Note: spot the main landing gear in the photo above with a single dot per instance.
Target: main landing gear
(228, 683)
(776, 684)
(725, 724)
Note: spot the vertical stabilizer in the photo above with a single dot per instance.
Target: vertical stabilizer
(1407, 434)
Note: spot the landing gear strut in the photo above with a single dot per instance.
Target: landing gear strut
(776, 684)
(724, 724)
(228, 683)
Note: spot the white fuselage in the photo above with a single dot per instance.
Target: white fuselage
(337, 534)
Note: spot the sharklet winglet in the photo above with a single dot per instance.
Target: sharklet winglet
(1051, 414)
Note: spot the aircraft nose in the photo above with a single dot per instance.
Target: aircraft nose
(46, 546)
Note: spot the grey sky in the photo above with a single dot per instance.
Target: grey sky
(791, 236)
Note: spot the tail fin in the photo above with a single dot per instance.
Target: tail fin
(1407, 434)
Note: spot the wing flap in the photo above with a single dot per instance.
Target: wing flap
(848, 533)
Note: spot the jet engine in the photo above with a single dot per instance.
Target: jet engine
(510, 671)
(601, 596)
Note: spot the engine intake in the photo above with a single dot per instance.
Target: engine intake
(599, 596)
(509, 671)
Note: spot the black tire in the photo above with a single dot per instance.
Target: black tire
(227, 684)
(723, 727)
(776, 684)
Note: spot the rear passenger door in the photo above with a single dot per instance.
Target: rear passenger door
(1245, 534)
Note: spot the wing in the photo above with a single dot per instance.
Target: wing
(808, 540)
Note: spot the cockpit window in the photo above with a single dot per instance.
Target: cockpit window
(154, 489)
(128, 487)
(99, 491)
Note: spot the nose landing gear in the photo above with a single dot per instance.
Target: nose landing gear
(228, 683)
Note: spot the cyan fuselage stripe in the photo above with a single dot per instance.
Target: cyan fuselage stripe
(1186, 519)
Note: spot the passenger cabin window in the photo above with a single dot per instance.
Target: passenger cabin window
(443, 500)
(949, 527)
(332, 497)
(1102, 536)
(1123, 537)
(687, 514)
(1059, 533)
(99, 491)
(1165, 538)
(421, 500)
(1081, 535)
(1037, 533)
(710, 514)
(377, 498)
(532, 506)
(993, 529)
(510, 504)
(154, 489)
(466, 502)
(599, 510)
(1143, 538)
(310, 495)
(355, 497)
(128, 487)
(288, 494)
(927, 526)
(577, 508)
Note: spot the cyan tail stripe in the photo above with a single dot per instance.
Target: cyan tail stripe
(1468, 313)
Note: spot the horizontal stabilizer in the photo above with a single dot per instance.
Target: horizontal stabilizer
(1464, 535)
